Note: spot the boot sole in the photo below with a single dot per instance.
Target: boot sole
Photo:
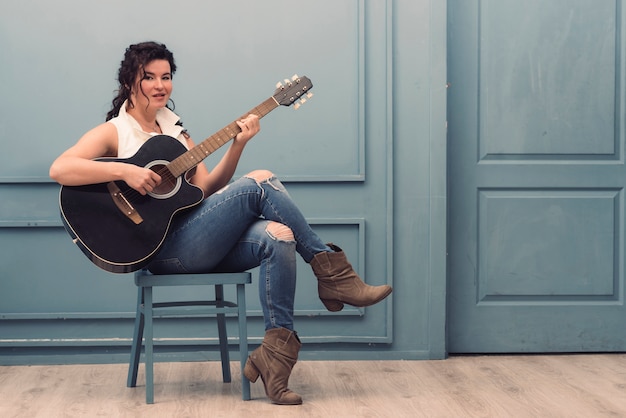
(334, 305)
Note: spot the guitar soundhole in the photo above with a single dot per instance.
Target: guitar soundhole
(169, 185)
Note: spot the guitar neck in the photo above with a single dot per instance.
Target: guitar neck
(194, 156)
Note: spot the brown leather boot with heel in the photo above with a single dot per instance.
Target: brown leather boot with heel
(273, 361)
(338, 283)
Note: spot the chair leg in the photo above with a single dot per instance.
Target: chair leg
(149, 366)
(243, 339)
(221, 330)
(135, 351)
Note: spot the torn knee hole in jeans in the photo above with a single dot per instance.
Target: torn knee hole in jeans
(279, 231)
(260, 175)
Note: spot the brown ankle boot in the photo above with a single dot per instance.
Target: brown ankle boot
(338, 283)
(273, 361)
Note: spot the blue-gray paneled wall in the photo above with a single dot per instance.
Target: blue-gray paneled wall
(365, 159)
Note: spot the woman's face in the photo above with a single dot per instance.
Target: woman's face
(153, 86)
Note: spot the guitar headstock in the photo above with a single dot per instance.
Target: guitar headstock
(293, 91)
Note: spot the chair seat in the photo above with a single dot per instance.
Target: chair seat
(145, 278)
(147, 310)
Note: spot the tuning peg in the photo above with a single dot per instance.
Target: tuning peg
(279, 85)
(302, 100)
(295, 77)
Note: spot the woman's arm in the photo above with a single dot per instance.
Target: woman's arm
(212, 181)
(76, 167)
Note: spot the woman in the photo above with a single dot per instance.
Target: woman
(238, 226)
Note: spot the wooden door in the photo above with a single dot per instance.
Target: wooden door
(536, 169)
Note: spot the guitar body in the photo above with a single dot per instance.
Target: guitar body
(110, 238)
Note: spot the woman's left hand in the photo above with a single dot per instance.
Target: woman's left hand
(249, 126)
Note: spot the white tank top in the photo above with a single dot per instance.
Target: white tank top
(130, 136)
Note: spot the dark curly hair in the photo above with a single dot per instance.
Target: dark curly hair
(136, 57)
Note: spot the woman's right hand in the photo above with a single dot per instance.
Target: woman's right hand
(141, 179)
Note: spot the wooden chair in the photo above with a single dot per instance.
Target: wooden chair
(147, 309)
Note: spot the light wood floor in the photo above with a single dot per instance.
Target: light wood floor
(468, 386)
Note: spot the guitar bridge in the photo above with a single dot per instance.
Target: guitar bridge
(123, 204)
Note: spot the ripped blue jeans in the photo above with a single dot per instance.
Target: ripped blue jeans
(252, 222)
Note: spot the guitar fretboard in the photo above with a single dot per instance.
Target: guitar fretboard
(194, 156)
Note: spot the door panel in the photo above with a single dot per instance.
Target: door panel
(536, 176)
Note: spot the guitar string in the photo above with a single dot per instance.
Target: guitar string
(187, 160)
(165, 172)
